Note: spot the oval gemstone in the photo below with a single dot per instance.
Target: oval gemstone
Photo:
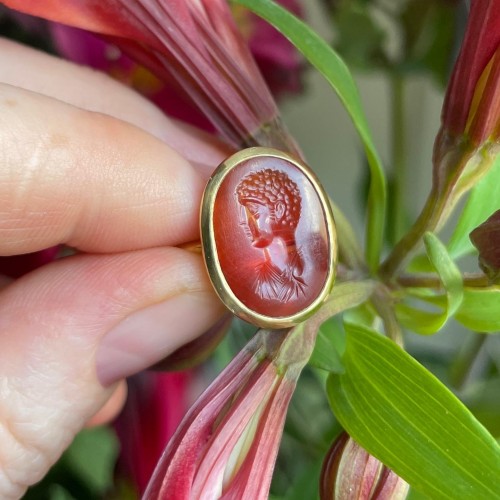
(271, 236)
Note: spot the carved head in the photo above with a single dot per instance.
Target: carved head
(271, 205)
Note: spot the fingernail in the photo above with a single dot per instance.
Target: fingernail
(148, 335)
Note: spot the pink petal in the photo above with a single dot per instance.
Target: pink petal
(195, 42)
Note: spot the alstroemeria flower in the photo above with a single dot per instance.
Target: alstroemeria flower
(350, 473)
(227, 444)
(195, 42)
(469, 138)
(472, 102)
(471, 110)
(279, 61)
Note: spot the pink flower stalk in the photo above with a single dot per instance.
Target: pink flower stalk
(227, 444)
(350, 473)
(155, 406)
(194, 41)
(471, 108)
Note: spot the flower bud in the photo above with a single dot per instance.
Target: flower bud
(350, 473)
(227, 444)
(468, 140)
(486, 238)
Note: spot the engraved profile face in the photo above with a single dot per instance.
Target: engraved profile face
(270, 211)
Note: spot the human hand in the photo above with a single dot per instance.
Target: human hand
(88, 163)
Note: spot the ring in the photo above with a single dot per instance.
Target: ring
(268, 237)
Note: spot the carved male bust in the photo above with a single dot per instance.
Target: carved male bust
(270, 212)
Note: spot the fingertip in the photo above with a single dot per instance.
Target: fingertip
(111, 408)
(146, 336)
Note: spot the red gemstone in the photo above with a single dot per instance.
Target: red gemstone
(271, 236)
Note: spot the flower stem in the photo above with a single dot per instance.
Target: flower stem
(383, 303)
(451, 159)
(462, 365)
(471, 280)
(397, 214)
(427, 220)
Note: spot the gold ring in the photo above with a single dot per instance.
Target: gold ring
(268, 237)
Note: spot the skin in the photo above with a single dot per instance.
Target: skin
(87, 162)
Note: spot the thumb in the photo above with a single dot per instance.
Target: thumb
(71, 329)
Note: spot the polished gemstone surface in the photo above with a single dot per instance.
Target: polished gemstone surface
(271, 236)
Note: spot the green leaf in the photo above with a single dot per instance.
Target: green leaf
(483, 200)
(480, 309)
(427, 322)
(450, 275)
(429, 28)
(93, 455)
(419, 321)
(404, 416)
(359, 38)
(350, 252)
(482, 399)
(57, 492)
(331, 66)
(305, 486)
(329, 347)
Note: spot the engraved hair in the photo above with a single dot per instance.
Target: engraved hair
(268, 187)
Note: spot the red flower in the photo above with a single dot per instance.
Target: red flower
(471, 108)
(468, 139)
(194, 42)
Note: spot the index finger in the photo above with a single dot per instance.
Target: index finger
(88, 180)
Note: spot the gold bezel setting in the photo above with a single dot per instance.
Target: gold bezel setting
(209, 246)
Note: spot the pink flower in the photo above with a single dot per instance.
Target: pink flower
(351, 473)
(278, 60)
(227, 444)
(195, 42)
(155, 406)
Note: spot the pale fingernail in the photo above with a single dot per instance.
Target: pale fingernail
(150, 334)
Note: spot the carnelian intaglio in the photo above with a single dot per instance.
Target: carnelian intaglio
(271, 235)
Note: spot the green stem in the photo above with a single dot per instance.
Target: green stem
(448, 167)
(472, 280)
(427, 220)
(397, 214)
(384, 305)
(462, 365)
